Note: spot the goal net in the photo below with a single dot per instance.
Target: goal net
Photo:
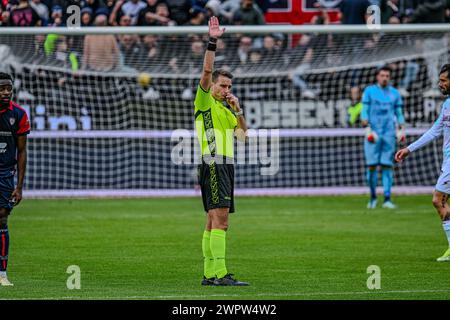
(122, 124)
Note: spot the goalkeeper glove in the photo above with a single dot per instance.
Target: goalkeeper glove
(401, 137)
(371, 136)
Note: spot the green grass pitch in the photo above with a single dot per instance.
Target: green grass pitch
(286, 247)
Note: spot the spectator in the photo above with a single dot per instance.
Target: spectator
(41, 9)
(243, 51)
(301, 57)
(95, 5)
(150, 53)
(319, 43)
(63, 57)
(152, 4)
(157, 16)
(38, 56)
(179, 10)
(147, 16)
(223, 57)
(353, 11)
(101, 11)
(355, 108)
(86, 16)
(248, 14)
(430, 11)
(56, 17)
(63, 4)
(132, 8)
(394, 20)
(113, 16)
(4, 17)
(389, 9)
(271, 54)
(411, 70)
(175, 65)
(125, 21)
(24, 15)
(194, 61)
(197, 17)
(147, 19)
(447, 15)
(101, 52)
(228, 7)
(130, 50)
(279, 41)
(254, 63)
(213, 9)
(163, 15)
(109, 4)
(407, 8)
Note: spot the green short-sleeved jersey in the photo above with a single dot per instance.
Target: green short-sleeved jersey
(215, 125)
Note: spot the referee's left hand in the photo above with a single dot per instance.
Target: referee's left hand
(16, 196)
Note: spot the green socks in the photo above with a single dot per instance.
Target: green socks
(207, 256)
(213, 246)
(217, 246)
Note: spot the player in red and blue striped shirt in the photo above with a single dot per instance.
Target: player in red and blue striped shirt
(14, 127)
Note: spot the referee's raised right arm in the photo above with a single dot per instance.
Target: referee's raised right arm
(208, 64)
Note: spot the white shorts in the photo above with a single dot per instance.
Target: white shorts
(443, 183)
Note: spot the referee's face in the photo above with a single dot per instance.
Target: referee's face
(221, 88)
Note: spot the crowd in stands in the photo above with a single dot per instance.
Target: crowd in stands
(28, 13)
(239, 53)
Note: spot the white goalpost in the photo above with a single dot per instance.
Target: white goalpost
(127, 131)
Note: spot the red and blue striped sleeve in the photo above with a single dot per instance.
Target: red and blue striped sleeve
(24, 124)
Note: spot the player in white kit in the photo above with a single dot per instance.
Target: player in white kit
(440, 127)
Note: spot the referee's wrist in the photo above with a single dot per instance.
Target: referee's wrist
(239, 113)
(212, 44)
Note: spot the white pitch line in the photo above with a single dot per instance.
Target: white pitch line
(207, 295)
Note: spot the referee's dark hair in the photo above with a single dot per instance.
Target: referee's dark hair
(221, 72)
(445, 68)
(6, 76)
(384, 68)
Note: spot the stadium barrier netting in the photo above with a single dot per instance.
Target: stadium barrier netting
(123, 126)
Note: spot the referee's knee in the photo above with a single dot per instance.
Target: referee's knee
(220, 223)
(219, 219)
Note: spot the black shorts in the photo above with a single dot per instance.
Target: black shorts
(217, 185)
